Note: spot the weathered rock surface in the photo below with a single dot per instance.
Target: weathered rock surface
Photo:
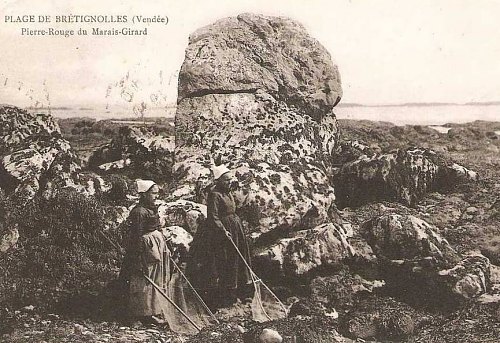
(404, 176)
(8, 239)
(19, 125)
(448, 287)
(256, 93)
(454, 173)
(340, 289)
(349, 151)
(35, 159)
(186, 214)
(396, 237)
(470, 278)
(137, 153)
(413, 250)
(327, 294)
(178, 237)
(115, 165)
(324, 245)
(253, 52)
(270, 336)
(384, 319)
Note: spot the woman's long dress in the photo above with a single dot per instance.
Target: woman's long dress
(147, 254)
(228, 269)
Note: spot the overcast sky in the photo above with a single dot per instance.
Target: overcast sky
(387, 51)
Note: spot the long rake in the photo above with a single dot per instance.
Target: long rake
(194, 291)
(120, 250)
(256, 283)
(171, 302)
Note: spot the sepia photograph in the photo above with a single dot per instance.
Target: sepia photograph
(288, 171)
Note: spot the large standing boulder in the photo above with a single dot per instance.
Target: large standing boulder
(253, 52)
(256, 93)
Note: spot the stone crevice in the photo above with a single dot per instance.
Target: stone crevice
(204, 92)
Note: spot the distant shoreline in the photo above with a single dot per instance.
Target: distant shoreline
(341, 104)
(421, 104)
(406, 114)
(89, 108)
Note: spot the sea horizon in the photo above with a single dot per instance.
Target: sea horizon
(398, 114)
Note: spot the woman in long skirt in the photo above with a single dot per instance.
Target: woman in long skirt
(224, 270)
(147, 255)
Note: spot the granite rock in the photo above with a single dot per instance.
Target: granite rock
(256, 93)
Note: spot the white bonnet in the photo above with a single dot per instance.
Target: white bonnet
(144, 185)
(218, 171)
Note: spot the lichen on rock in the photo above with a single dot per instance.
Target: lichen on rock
(397, 237)
(405, 176)
(470, 278)
(256, 93)
(35, 158)
(413, 251)
(186, 214)
(136, 152)
(325, 245)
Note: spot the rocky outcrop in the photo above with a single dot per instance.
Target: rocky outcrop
(138, 153)
(404, 176)
(180, 221)
(178, 238)
(416, 257)
(35, 159)
(256, 93)
(446, 287)
(397, 237)
(325, 245)
(339, 290)
(349, 151)
(186, 214)
(453, 173)
(333, 294)
(470, 278)
(18, 126)
(8, 239)
(385, 319)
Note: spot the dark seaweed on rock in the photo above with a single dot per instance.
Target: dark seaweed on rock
(335, 213)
